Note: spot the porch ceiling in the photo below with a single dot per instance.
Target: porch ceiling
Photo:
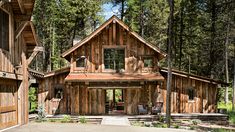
(112, 77)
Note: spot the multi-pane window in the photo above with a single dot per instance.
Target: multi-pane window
(148, 61)
(114, 58)
(4, 30)
(81, 61)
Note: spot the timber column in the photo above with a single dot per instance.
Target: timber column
(68, 98)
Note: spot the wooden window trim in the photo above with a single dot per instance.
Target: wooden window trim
(194, 92)
(113, 47)
(148, 56)
(9, 31)
(60, 87)
(81, 67)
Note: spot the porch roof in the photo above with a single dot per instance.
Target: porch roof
(101, 77)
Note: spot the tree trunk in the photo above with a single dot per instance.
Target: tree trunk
(181, 34)
(233, 102)
(122, 10)
(169, 74)
(212, 44)
(226, 65)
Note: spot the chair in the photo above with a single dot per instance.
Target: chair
(158, 108)
(142, 110)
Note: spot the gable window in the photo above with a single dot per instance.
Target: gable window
(58, 91)
(114, 58)
(81, 61)
(191, 94)
(148, 61)
(4, 30)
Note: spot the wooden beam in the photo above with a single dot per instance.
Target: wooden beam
(9, 75)
(1, 3)
(21, 5)
(20, 28)
(35, 52)
(114, 32)
(7, 109)
(34, 33)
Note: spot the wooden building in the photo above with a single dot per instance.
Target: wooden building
(18, 46)
(113, 70)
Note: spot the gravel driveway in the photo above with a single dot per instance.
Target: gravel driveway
(73, 127)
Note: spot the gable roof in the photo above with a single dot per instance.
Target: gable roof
(110, 20)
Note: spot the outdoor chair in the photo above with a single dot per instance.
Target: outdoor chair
(158, 108)
(142, 110)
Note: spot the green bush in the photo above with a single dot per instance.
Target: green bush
(41, 114)
(66, 118)
(32, 99)
(228, 106)
(83, 120)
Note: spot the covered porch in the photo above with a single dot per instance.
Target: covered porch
(111, 94)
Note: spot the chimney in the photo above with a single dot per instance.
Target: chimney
(76, 40)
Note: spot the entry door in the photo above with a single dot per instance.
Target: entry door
(8, 103)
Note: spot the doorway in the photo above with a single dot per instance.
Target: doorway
(114, 101)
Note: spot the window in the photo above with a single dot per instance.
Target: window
(81, 61)
(148, 61)
(114, 58)
(191, 94)
(4, 30)
(58, 91)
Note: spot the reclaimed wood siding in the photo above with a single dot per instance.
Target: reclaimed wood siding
(16, 56)
(8, 103)
(46, 95)
(204, 95)
(113, 36)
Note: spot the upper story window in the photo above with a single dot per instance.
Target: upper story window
(4, 30)
(191, 94)
(148, 61)
(114, 58)
(81, 61)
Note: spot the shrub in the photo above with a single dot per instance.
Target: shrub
(83, 120)
(66, 118)
(41, 114)
(161, 118)
(176, 126)
(230, 113)
(196, 121)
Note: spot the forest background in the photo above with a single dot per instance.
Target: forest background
(203, 30)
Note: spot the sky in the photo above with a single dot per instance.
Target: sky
(109, 10)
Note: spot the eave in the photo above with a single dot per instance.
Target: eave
(113, 19)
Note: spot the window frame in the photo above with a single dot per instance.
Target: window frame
(6, 50)
(85, 61)
(151, 57)
(58, 87)
(103, 59)
(189, 90)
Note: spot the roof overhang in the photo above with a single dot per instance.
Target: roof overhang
(113, 19)
(27, 29)
(192, 76)
(113, 77)
(22, 8)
